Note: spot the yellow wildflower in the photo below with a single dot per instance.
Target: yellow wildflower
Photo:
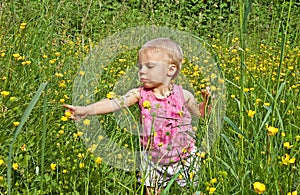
(259, 188)
(81, 73)
(122, 60)
(180, 176)
(111, 95)
(100, 137)
(62, 84)
(64, 118)
(287, 160)
(53, 166)
(81, 165)
(23, 147)
(246, 89)
(15, 166)
(98, 160)
(12, 99)
(68, 114)
(5, 93)
(251, 113)
(59, 75)
(80, 155)
(57, 54)
(23, 25)
(287, 145)
(87, 122)
(211, 190)
(16, 55)
(293, 193)
(146, 104)
(272, 130)
(213, 181)
(52, 61)
(1, 162)
(192, 174)
(16, 124)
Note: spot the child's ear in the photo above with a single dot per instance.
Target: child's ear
(172, 69)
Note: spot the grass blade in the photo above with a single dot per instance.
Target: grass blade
(44, 127)
(19, 128)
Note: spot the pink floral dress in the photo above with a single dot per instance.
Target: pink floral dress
(166, 133)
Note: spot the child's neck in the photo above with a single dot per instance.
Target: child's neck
(163, 91)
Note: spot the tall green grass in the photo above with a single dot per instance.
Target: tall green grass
(256, 43)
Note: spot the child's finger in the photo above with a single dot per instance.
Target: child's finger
(69, 107)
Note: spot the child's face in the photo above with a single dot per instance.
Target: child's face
(153, 68)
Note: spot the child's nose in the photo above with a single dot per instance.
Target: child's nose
(142, 71)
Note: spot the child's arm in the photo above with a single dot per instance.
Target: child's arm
(104, 106)
(197, 109)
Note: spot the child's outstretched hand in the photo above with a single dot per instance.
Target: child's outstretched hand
(77, 112)
(206, 95)
(204, 106)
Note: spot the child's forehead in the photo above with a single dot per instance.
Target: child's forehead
(150, 54)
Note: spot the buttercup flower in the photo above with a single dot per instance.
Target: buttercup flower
(111, 95)
(81, 165)
(211, 190)
(15, 166)
(251, 113)
(272, 130)
(59, 75)
(23, 25)
(98, 160)
(286, 160)
(53, 166)
(293, 193)
(287, 145)
(64, 118)
(146, 104)
(16, 124)
(213, 181)
(5, 93)
(259, 188)
(81, 73)
(87, 122)
(80, 155)
(16, 55)
(1, 162)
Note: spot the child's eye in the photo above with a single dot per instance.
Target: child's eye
(150, 66)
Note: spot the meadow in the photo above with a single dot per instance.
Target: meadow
(43, 45)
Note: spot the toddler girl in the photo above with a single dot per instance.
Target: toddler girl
(166, 135)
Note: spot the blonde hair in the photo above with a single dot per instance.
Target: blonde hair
(169, 48)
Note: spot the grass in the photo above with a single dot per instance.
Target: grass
(256, 44)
